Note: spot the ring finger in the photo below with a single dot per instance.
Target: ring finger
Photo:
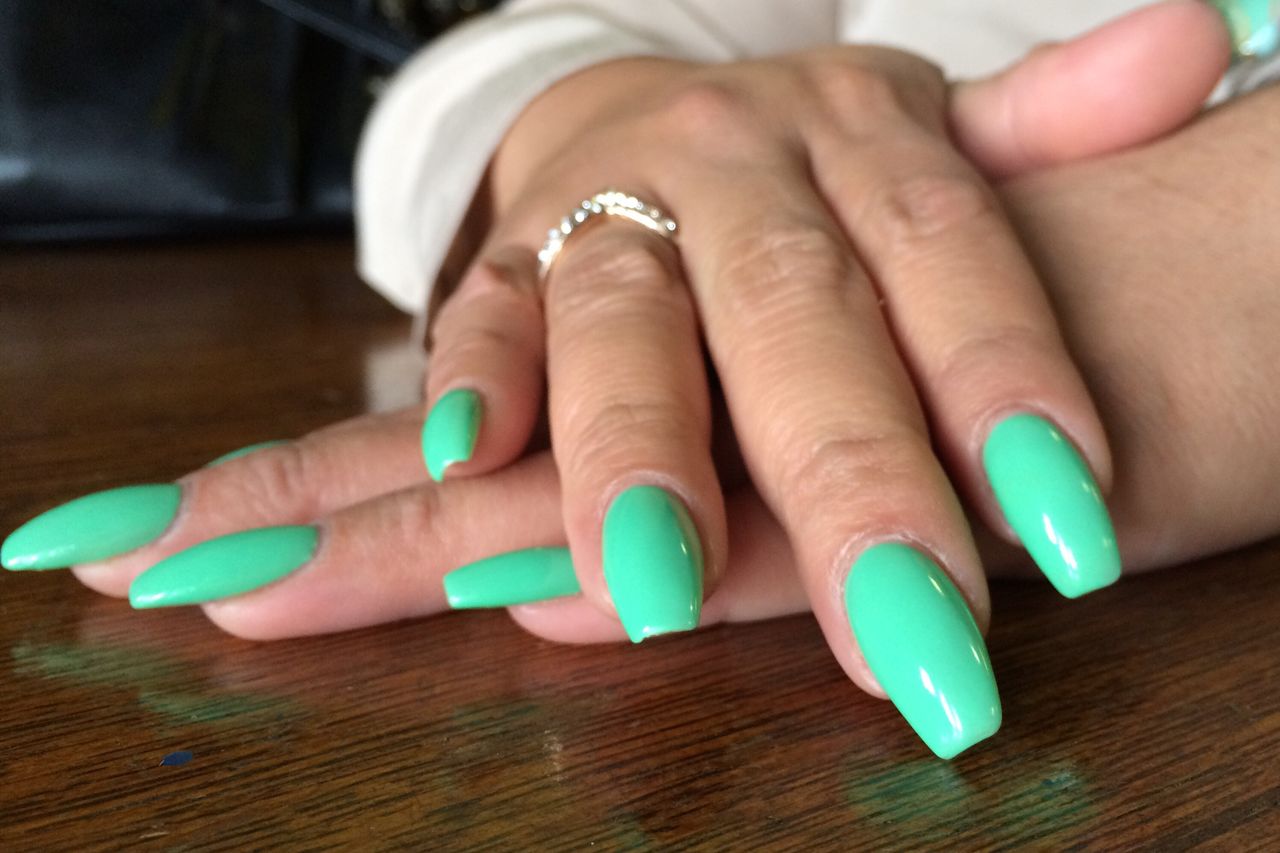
(631, 425)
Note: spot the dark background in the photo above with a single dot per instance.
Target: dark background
(167, 117)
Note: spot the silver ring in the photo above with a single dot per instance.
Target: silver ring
(604, 203)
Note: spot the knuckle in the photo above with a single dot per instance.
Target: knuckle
(926, 207)
(491, 292)
(481, 342)
(705, 104)
(607, 436)
(825, 470)
(608, 267)
(990, 352)
(857, 92)
(788, 267)
(418, 523)
(710, 116)
(284, 477)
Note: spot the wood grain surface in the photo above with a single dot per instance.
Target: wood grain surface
(1146, 716)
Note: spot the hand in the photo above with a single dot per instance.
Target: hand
(1176, 336)
(311, 479)
(838, 257)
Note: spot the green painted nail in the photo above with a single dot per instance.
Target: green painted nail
(1254, 25)
(922, 645)
(652, 563)
(93, 527)
(223, 567)
(245, 451)
(517, 577)
(1052, 502)
(449, 434)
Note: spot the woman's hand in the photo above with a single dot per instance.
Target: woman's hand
(382, 558)
(838, 258)
(1176, 336)
(341, 474)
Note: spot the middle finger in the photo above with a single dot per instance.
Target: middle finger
(837, 444)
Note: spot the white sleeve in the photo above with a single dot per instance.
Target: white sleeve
(428, 142)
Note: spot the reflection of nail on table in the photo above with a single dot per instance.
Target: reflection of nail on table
(1146, 714)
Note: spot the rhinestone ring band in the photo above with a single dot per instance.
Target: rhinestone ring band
(606, 203)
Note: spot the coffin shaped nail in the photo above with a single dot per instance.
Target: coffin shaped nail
(921, 643)
(224, 567)
(652, 563)
(449, 433)
(516, 577)
(93, 527)
(1051, 500)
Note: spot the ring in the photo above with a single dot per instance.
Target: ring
(604, 203)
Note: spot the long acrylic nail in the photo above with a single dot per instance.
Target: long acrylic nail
(1254, 26)
(245, 451)
(93, 527)
(517, 577)
(223, 567)
(1051, 500)
(652, 563)
(922, 645)
(449, 433)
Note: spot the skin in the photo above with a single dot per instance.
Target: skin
(1178, 368)
(866, 306)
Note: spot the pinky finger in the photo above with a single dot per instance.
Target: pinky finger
(485, 381)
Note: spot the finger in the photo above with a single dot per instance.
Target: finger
(761, 583)
(1125, 83)
(835, 440)
(374, 562)
(291, 483)
(630, 425)
(1008, 405)
(484, 386)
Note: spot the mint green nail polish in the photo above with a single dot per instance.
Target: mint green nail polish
(449, 434)
(652, 563)
(517, 577)
(245, 451)
(223, 567)
(93, 527)
(1052, 502)
(1254, 26)
(922, 645)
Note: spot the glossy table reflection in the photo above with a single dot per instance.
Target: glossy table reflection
(1144, 716)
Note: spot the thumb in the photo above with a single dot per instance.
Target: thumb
(1125, 83)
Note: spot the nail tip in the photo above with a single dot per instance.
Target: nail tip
(17, 562)
(952, 749)
(1080, 590)
(648, 631)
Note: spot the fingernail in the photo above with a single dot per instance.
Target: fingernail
(517, 577)
(91, 528)
(1050, 499)
(1254, 26)
(245, 451)
(449, 434)
(652, 563)
(922, 645)
(223, 567)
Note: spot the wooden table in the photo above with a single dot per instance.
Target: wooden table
(1144, 716)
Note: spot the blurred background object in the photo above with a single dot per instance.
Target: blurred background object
(155, 118)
